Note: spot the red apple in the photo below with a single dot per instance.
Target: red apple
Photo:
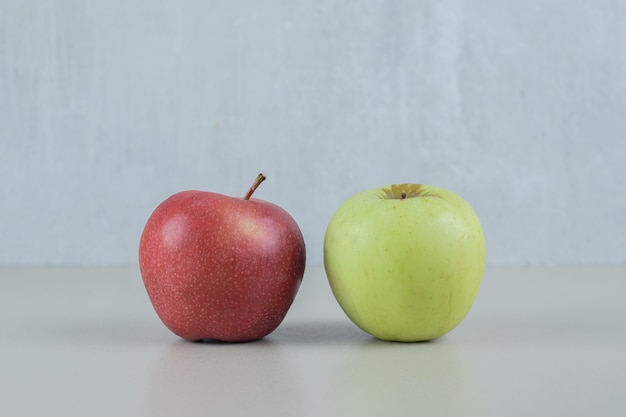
(219, 267)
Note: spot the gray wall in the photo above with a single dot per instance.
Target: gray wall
(108, 107)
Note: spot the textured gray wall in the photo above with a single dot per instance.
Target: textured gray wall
(108, 107)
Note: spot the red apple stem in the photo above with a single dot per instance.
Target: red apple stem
(259, 179)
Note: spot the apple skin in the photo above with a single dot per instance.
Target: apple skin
(405, 267)
(220, 267)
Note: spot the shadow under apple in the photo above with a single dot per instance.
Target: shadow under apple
(393, 378)
(218, 378)
(330, 333)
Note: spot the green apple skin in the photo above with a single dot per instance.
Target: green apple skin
(405, 262)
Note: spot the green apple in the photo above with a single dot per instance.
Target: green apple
(405, 262)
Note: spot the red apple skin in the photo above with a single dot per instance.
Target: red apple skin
(219, 267)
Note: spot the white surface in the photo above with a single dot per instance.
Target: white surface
(86, 342)
(109, 106)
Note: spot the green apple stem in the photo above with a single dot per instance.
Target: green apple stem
(403, 196)
(259, 179)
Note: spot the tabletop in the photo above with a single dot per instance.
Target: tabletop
(85, 341)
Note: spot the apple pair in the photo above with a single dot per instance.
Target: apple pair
(404, 262)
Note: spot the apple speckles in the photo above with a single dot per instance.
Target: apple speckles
(249, 228)
(267, 323)
(222, 268)
(396, 266)
(174, 231)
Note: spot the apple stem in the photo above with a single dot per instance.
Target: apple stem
(259, 179)
(403, 196)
